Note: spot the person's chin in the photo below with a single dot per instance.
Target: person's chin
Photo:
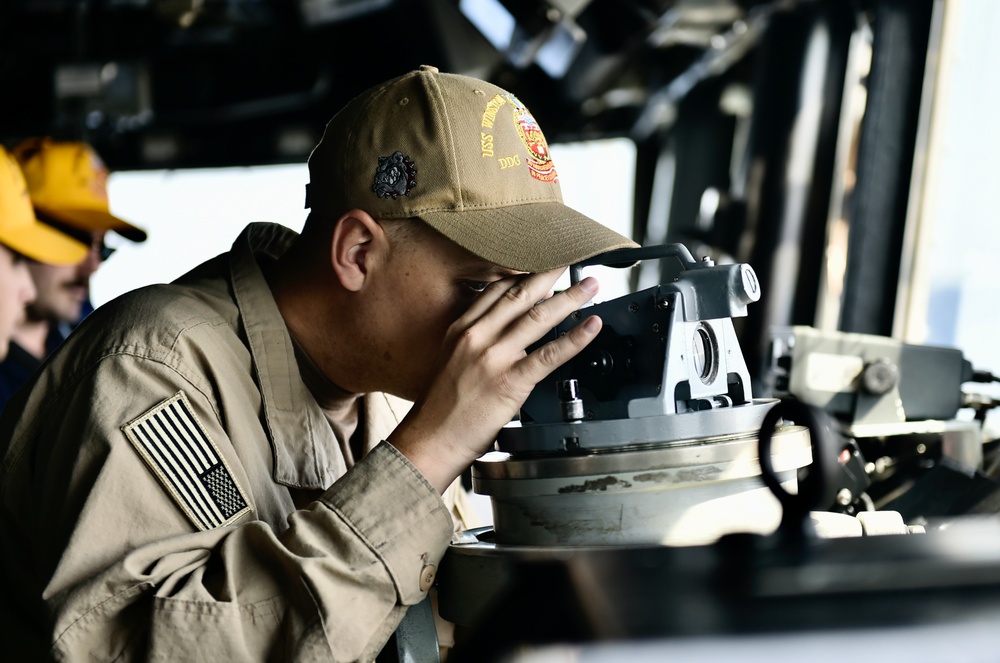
(72, 304)
(71, 312)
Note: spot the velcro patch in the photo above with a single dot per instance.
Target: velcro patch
(184, 458)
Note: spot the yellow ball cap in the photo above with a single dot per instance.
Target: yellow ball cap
(464, 156)
(69, 182)
(21, 231)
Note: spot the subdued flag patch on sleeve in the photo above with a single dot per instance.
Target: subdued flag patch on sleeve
(179, 451)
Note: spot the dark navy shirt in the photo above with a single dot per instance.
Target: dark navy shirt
(20, 364)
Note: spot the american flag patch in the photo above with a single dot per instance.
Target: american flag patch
(184, 458)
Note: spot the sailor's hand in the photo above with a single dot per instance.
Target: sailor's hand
(485, 374)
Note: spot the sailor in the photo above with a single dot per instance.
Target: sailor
(23, 240)
(228, 467)
(67, 183)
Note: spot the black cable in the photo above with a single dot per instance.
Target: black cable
(984, 376)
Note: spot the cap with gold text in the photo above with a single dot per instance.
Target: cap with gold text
(464, 156)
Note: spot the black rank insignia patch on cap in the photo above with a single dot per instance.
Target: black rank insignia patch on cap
(394, 176)
(184, 458)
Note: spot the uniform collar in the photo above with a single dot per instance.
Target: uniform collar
(305, 451)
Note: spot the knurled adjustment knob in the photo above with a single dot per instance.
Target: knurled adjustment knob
(879, 376)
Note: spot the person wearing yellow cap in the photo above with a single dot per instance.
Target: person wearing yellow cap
(23, 237)
(259, 460)
(67, 183)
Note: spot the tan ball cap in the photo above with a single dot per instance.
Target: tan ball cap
(21, 231)
(464, 156)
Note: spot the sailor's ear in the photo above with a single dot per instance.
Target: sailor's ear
(357, 240)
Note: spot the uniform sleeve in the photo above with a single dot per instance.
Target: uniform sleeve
(125, 574)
